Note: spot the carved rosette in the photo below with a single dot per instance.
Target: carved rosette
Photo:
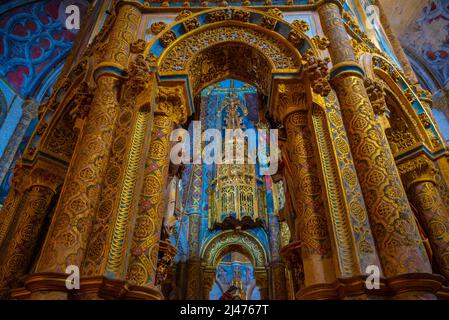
(270, 21)
(157, 27)
(301, 25)
(240, 15)
(425, 120)
(216, 16)
(167, 38)
(138, 46)
(189, 24)
(321, 42)
(296, 38)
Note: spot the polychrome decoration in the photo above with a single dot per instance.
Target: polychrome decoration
(232, 150)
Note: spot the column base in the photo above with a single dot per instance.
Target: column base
(52, 286)
(415, 286)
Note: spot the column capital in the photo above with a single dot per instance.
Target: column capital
(419, 169)
(21, 175)
(170, 102)
(44, 178)
(289, 97)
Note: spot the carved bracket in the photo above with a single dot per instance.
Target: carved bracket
(318, 73)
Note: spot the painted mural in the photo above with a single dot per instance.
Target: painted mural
(428, 38)
(34, 43)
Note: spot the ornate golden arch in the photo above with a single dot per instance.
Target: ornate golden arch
(200, 49)
(242, 242)
(416, 112)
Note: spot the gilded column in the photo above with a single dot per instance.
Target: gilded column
(193, 290)
(69, 233)
(311, 223)
(170, 110)
(400, 247)
(112, 228)
(262, 282)
(278, 278)
(208, 276)
(13, 201)
(18, 254)
(419, 178)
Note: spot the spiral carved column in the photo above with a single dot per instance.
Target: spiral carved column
(170, 110)
(311, 222)
(17, 257)
(419, 178)
(400, 247)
